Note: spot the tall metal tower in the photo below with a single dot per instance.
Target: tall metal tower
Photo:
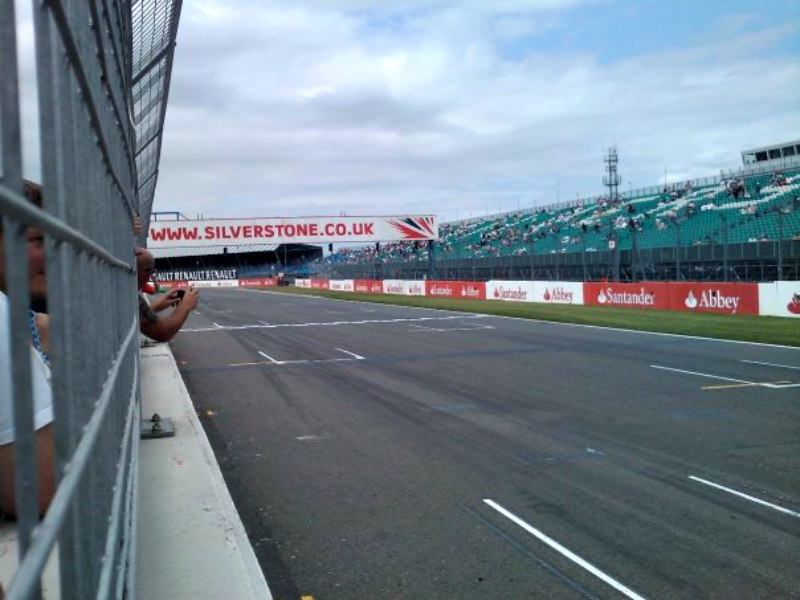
(612, 178)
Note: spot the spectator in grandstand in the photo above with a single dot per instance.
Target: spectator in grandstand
(40, 373)
(161, 329)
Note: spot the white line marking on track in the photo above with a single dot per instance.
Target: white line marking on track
(330, 323)
(540, 321)
(766, 384)
(769, 364)
(708, 375)
(420, 328)
(353, 354)
(217, 325)
(745, 496)
(564, 551)
(269, 358)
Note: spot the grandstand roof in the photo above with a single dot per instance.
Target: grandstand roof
(154, 28)
(208, 250)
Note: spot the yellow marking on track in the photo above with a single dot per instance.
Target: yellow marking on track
(306, 597)
(258, 362)
(727, 386)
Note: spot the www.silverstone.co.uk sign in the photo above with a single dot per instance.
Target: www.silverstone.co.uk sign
(291, 230)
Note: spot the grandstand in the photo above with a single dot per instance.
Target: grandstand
(716, 216)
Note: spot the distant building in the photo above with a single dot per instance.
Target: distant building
(777, 155)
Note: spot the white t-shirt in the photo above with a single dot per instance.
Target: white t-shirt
(42, 393)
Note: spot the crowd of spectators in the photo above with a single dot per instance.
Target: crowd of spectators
(575, 226)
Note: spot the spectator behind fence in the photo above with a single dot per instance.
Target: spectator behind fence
(161, 329)
(40, 372)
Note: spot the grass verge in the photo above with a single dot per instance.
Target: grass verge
(748, 328)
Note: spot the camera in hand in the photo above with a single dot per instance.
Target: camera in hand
(179, 293)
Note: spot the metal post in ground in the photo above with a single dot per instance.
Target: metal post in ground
(724, 246)
(583, 254)
(780, 244)
(431, 267)
(677, 251)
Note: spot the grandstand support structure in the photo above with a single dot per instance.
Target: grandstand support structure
(612, 178)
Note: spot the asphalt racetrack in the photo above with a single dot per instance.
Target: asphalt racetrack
(382, 452)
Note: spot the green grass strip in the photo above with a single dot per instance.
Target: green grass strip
(748, 328)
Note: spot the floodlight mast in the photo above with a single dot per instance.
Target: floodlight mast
(612, 178)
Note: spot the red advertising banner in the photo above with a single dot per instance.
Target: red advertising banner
(320, 284)
(368, 286)
(258, 281)
(726, 298)
(468, 290)
(175, 283)
(633, 295)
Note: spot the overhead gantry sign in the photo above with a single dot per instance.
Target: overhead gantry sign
(291, 230)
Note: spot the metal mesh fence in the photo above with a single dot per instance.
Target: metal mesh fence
(756, 261)
(102, 80)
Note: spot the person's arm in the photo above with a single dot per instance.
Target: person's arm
(45, 461)
(162, 329)
(164, 301)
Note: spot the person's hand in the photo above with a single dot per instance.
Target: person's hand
(136, 224)
(165, 301)
(190, 299)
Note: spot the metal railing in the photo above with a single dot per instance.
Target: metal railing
(97, 169)
(751, 261)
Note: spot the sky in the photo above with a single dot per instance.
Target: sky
(462, 108)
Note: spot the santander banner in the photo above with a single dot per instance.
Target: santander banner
(219, 283)
(467, 290)
(404, 287)
(368, 286)
(511, 291)
(632, 295)
(779, 299)
(290, 230)
(342, 285)
(726, 298)
(258, 281)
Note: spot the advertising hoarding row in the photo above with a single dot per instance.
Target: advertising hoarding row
(780, 298)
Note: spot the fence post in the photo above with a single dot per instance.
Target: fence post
(724, 246)
(780, 244)
(431, 265)
(583, 253)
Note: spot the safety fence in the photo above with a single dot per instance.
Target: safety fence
(102, 76)
(780, 298)
(751, 261)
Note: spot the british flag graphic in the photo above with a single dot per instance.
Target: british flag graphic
(415, 228)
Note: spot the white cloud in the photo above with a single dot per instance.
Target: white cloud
(320, 107)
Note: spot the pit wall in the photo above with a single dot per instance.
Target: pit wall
(778, 299)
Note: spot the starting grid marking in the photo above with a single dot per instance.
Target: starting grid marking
(734, 383)
(581, 562)
(261, 325)
(303, 361)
